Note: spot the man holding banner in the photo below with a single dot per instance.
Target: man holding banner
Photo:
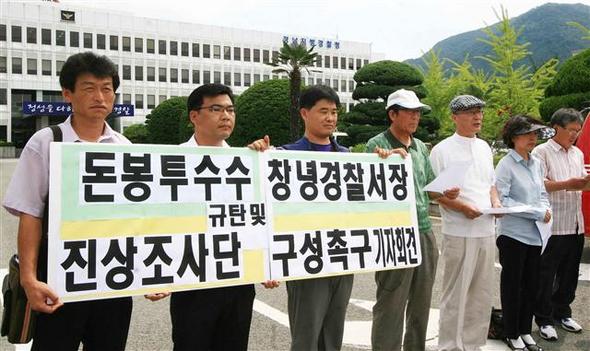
(88, 83)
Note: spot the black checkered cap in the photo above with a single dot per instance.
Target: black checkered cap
(465, 102)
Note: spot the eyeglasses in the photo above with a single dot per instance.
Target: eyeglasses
(218, 109)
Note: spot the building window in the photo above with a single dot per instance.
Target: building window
(139, 101)
(246, 54)
(3, 97)
(265, 56)
(216, 52)
(114, 42)
(237, 79)
(358, 63)
(256, 55)
(17, 65)
(2, 32)
(318, 61)
(151, 101)
(151, 74)
(334, 62)
(127, 44)
(327, 61)
(275, 56)
(138, 72)
(365, 62)
(150, 46)
(350, 86)
(162, 74)
(138, 44)
(88, 40)
(309, 80)
(266, 77)
(32, 66)
(206, 51)
(58, 66)
(184, 76)
(60, 37)
(256, 78)
(46, 36)
(31, 35)
(196, 76)
(101, 41)
(162, 47)
(196, 51)
(217, 77)
(335, 84)
(3, 64)
(127, 72)
(46, 67)
(206, 77)
(74, 39)
(343, 63)
(17, 35)
(161, 99)
(174, 75)
(246, 79)
(174, 48)
(237, 56)
(227, 78)
(184, 49)
(350, 63)
(227, 53)
(343, 85)
(127, 99)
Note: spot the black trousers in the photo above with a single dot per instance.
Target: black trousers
(212, 319)
(518, 282)
(558, 278)
(99, 325)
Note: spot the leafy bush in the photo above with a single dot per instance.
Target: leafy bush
(553, 103)
(358, 148)
(137, 133)
(573, 77)
(390, 73)
(168, 123)
(376, 91)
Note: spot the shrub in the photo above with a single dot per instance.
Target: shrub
(168, 123)
(137, 133)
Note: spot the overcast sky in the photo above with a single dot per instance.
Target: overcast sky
(400, 29)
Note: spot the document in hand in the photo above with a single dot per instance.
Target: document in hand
(507, 210)
(450, 177)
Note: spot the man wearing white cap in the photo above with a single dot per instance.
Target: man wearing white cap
(468, 246)
(406, 291)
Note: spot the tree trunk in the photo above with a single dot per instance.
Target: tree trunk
(295, 92)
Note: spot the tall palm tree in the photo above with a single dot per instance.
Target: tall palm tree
(292, 59)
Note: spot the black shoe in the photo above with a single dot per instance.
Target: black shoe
(512, 347)
(532, 347)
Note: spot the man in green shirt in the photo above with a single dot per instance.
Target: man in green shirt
(407, 291)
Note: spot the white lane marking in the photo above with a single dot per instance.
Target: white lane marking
(271, 312)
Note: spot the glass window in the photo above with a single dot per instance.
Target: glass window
(17, 65)
(246, 54)
(162, 74)
(46, 67)
(174, 48)
(266, 77)
(3, 97)
(350, 63)
(358, 63)
(127, 98)
(334, 62)
(275, 56)
(196, 76)
(162, 47)
(139, 101)
(151, 101)
(237, 79)
(150, 46)
(138, 72)
(343, 63)
(196, 51)
(161, 99)
(256, 55)
(138, 44)
(217, 77)
(327, 61)
(3, 64)
(309, 80)
(335, 84)
(227, 53)
(206, 50)
(127, 44)
(256, 78)
(184, 76)
(74, 39)
(88, 40)
(114, 42)
(227, 78)
(174, 75)
(17, 35)
(46, 36)
(101, 41)
(365, 62)
(60, 37)
(343, 85)
(246, 79)
(216, 51)
(351, 86)
(32, 66)
(2, 32)
(151, 74)
(127, 72)
(265, 56)
(237, 54)
(184, 49)
(58, 66)
(206, 77)
(31, 35)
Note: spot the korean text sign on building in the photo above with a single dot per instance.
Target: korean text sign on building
(133, 219)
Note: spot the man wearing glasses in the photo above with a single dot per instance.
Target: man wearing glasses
(565, 176)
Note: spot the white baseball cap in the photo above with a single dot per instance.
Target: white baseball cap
(406, 99)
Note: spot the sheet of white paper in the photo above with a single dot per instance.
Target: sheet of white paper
(452, 176)
(506, 210)
(545, 230)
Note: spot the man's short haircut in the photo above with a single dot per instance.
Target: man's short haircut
(565, 116)
(311, 95)
(195, 99)
(514, 125)
(87, 62)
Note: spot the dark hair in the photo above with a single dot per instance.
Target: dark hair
(195, 99)
(87, 62)
(516, 124)
(311, 95)
(565, 116)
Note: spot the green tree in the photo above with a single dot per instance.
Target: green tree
(168, 123)
(292, 59)
(263, 109)
(584, 29)
(137, 133)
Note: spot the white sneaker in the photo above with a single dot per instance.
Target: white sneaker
(547, 332)
(570, 325)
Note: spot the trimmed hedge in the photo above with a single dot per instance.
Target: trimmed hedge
(168, 123)
(137, 133)
(389, 73)
(553, 103)
(573, 77)
(376, 91)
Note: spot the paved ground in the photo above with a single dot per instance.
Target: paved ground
(150, 327)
